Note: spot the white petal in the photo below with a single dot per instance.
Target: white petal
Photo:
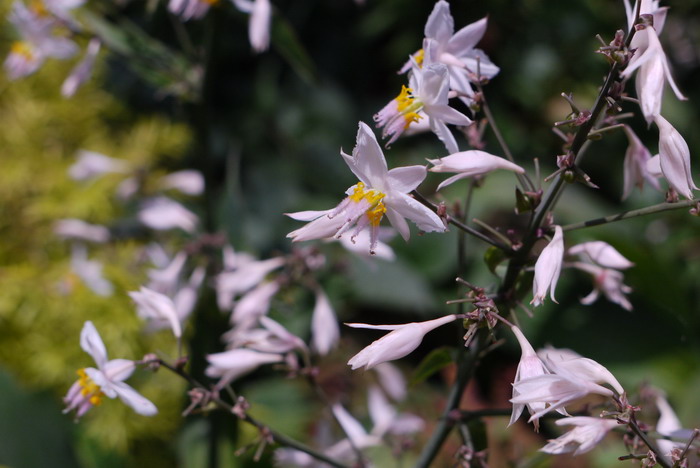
(407, 178)
(91, 342)
(324, 325)
(440, 24)
(135, 400)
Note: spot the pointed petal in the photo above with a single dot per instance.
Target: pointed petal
(92, 344)
(440, 24)
(421, 215)
(407, 178)
(466, 38)
(132, 398)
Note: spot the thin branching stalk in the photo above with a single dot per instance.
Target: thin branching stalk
(632, 214)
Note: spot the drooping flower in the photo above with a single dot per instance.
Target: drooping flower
(568, 363)
(91, 165)
(324, 325)
(587, 433)
(260, 12)
(82, 71)
(529, 366)
(152, 305)
(601, 253)
(548, 268)
(456, 50)
(470, 164)
(77, 229)
(242, 273)
(107, 380)
(379, 192)
(189, 182)
(162, 213)
(387, 419)
(674, 157)
(402, 340)
(90, 271)
(607, 281)
(427, 95)
(230, 365)
(635, 171)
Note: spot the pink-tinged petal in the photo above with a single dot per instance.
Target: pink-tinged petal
(374, 327)
(92, 343)
(324, 325)
(399, 223)
(135, 400)
(351, 426)
(477, 62)
(259, 25)
(103, 381)
(434, 85)
(653, 166)
(118, 370)
(407, 178)
(152, 305)
(367, 161)
(392, 381)
(440, 24)
(189, 182)
(320, 228)
(548, 268)
(601, 253)
(308, 215)
(82, 72)
(675, 158)
(452, 180)
(467, 38)
(447, 114)
(414, 211)
(444, 134)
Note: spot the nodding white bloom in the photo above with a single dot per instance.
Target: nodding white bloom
(470, 164)
(255, 303)
(392, 381)
(674, 158)
(77, 229)
(456, 50)
(607, 281)
(668, 425)
(82, 71)
(529, 366)
(648, 7)
(38, 41)
(154, 306)
(260, 12)
(426, 96)
(548, 268)
(230, 365)
(635, 170)
(91, 165)
(402, 340)
(242, 273)
(587, 433)
(325, 332)
(357, 436)
(379, 192)
(189, 182)
(653, 73)
(162, 213)
(568, 363)
(107, 380)
(90, 272)
(190, 9)
(272, 338)
(601, 253)
(387, 419)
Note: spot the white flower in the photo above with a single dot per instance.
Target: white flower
(392, 381)
(470, 164)
(635, 170)
(568, 363)
(152, 305)
(387, 419)
(91, 165)
(402, 340)
(189, 182)
(242, 274)
(379, 192)
(668, 425)
(324, 325)
(230, 365)
(456, 50)
(90, 271)
(82, 71)
(255, 303)
(529, 366)
(607, 281)
(162, 213)
(190, 9)
(674, 157)
(601, 253)
(357, 435)
(259, 23)
(548, 268)
(77, 229)
(106, 380)
(582, 438)
(427, 95)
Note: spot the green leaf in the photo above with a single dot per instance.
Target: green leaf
(493, 257)
(433, 362)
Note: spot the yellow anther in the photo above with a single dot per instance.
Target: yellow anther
(89, 388)
(405, 99)
(358, 193)
(38, 7)
(375, 214)
(418, 57)
(411, 117)
(22, 48)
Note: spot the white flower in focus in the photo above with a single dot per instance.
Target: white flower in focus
(471, 164)
(548, 268)
(674, 157)
(77, 229)
(106, 380)
(260, 12)
(230, 365)
(456, 50)
(587, 433)
(189, 182)
(152, 305)
(379, 192)
(529, 366)
(90, 272)
(162, 214)
(601, 253)
(402, 340)
(82, 71)
(91, 165)
(635, 170)
(427, 95)
(325, 332)
(568, 363)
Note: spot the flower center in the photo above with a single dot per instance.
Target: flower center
(89, 389)
(373, 197)
(408, 106)
(23, 49)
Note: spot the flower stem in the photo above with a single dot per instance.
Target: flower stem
(631, 214)
(660, 459)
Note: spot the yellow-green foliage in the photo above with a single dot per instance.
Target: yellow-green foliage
(42, 305)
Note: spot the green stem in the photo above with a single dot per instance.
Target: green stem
(631, 214)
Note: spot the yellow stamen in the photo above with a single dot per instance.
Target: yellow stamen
(22, 48)
(374, 197)
(375, 215)
(407, 105)
(405, 99)
(418, 57)
(38, 8)
(89, 388)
